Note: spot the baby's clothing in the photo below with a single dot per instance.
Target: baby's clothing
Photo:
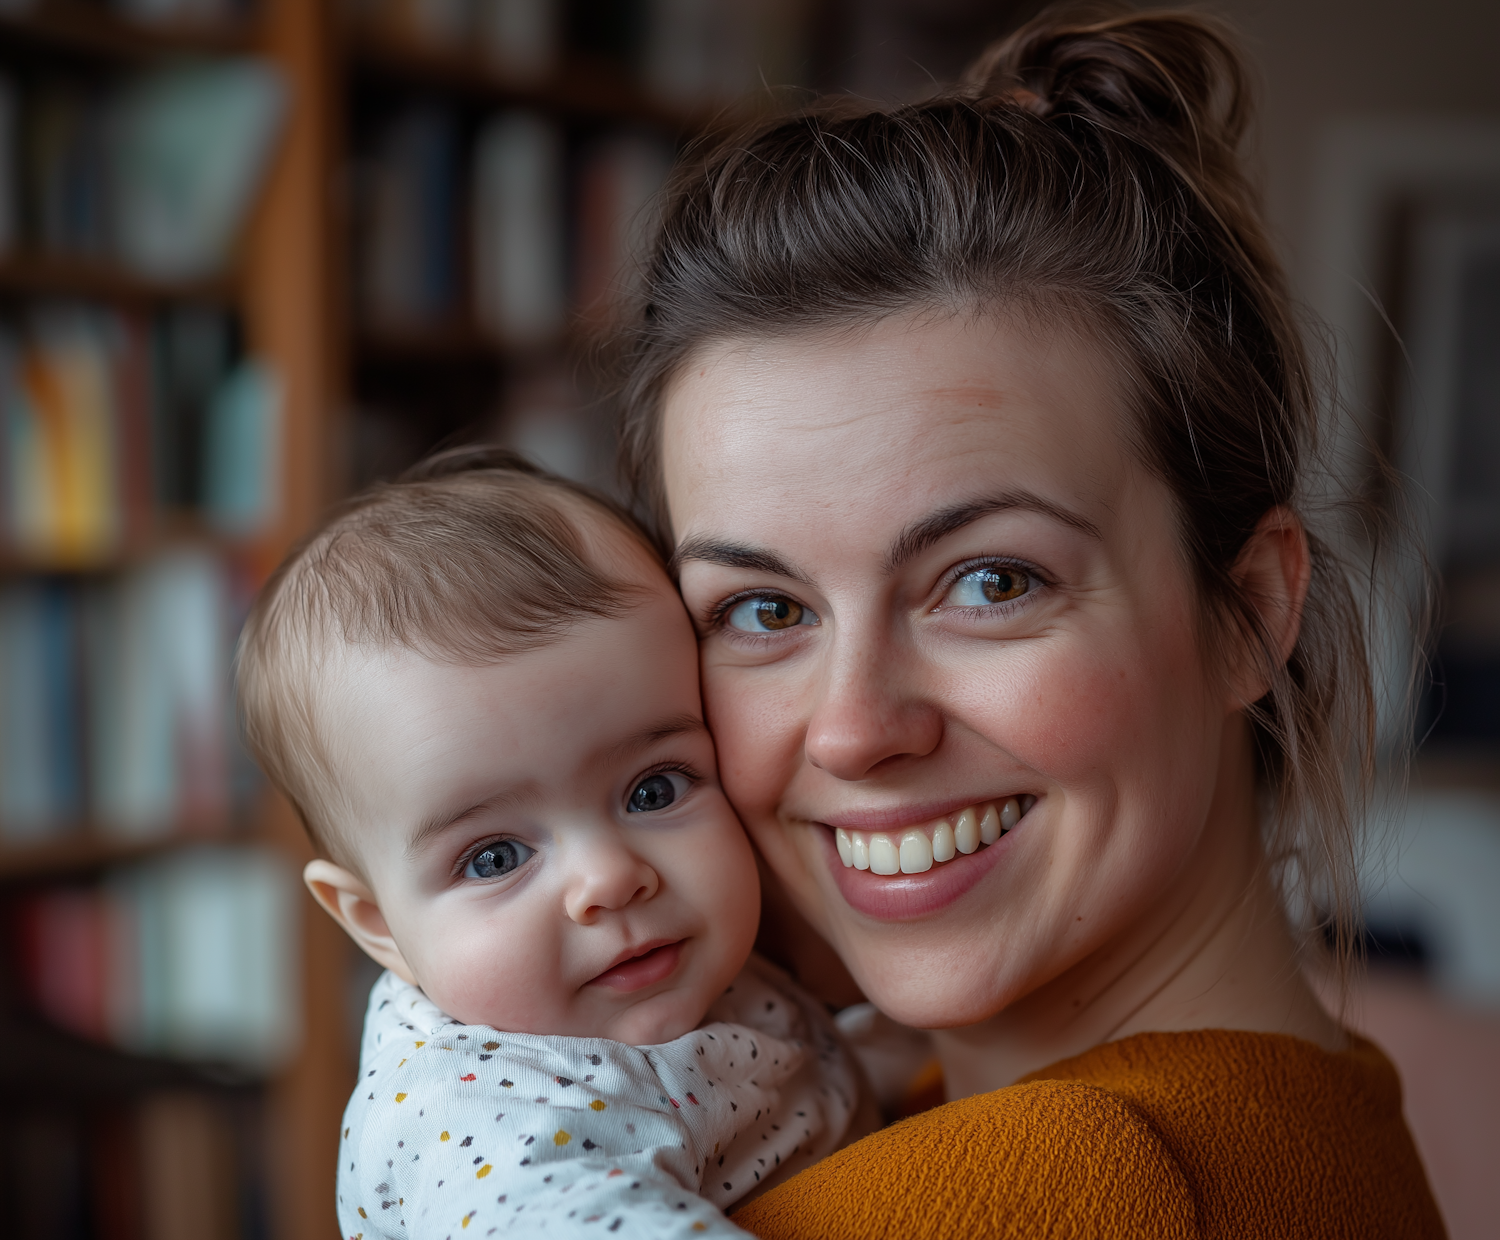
(465, 1131)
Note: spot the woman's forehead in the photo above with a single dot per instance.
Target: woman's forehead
(904, 415)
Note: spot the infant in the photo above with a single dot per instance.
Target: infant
(480, 690)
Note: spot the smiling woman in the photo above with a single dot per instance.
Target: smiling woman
(982, 430)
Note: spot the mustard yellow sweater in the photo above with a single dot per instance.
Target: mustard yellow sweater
(1210, 1134)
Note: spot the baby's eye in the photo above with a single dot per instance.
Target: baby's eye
(498, 859)
(768, 614)
(656, 792)
(992, 584)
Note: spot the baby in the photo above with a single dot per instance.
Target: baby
(480, 690)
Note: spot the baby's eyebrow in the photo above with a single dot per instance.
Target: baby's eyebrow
(436, 824)
(675, 725)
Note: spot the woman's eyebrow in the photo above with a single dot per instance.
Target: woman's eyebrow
(734, 555)
(924, 532)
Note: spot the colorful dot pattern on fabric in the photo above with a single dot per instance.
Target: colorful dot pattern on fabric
(476, 1128)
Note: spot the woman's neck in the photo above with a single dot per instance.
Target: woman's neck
(1214, 953)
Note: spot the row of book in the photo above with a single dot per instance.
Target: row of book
(109, 421)
(155, 172)
(191, 955)
(547, 235)
(691, 53)
(114, 701)
(175, 1164)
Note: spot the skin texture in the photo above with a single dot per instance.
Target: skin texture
(859, 476)
(543, 749)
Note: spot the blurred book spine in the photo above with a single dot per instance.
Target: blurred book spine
(520, 37)
(520, 236)
(707, 53)
(618, 182)
(410, 220)
(190, 956)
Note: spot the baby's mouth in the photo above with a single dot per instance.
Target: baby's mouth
(651, 963)
(916, 849)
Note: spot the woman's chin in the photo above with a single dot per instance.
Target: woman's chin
(905, 987)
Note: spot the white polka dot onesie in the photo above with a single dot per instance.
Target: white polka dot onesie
(458, 1131)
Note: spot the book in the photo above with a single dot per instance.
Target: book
(70, 381)
(189, 1178)
(409, 260)
(520, 265)
(10, 213)
(242, 451)
(159, 647)
(66, 186)
(520, 37)
(41, 784)
(618, 182)
(190, 144)
(63, 946)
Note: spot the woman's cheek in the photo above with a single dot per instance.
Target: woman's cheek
(1073, 708)
(757, 732)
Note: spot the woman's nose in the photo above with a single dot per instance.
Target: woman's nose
(608, 876)
(866, 715)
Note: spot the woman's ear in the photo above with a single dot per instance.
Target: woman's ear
(1272, 572)
(352, 904)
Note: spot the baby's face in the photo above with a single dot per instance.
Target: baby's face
(546, 837)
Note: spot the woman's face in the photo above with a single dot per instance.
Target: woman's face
(930, 576)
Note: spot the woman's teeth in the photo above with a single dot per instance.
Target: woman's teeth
(914, 850)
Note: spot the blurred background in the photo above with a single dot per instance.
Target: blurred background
(255, 253)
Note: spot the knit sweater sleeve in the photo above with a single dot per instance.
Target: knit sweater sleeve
(1054, 1158)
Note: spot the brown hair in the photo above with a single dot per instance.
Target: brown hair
(1087, 169)
(473, 556)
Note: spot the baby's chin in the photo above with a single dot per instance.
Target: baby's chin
(649, 1022)
(661, 1018)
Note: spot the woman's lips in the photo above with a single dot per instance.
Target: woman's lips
(910, 896)
(652, 964)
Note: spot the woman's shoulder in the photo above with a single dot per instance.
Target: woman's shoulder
(1037, 1157)
(1211, 1133)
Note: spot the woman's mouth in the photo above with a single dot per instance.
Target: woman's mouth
(916, 849)
(652, 963)
(909, 872)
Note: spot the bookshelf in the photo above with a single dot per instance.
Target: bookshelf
(109, 1132)
(362, 389)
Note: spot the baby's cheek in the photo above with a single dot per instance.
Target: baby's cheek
(485, 973)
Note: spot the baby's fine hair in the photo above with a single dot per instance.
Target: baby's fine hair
(1085, 177)
(471, 557)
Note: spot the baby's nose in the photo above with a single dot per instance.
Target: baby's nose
(608, 878)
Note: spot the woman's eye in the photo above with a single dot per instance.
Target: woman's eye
(985, 586)
(656, 792)
(768, 614)
(498, 859)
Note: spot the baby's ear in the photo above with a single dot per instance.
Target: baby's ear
(349, 902)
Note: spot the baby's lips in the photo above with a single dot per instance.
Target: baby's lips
(642, 966)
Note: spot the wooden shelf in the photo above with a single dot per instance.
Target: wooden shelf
(86, 852)
(95, 33)
(45, 275)
(581, 89)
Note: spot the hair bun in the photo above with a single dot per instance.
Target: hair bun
(1169, 79)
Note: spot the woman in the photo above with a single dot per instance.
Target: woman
(982, 431)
